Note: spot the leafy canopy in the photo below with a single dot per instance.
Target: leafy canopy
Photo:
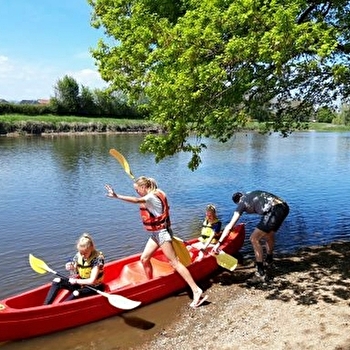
(206, 67)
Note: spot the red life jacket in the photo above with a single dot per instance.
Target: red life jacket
(156, 223)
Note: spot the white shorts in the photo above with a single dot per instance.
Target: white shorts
(161, 236)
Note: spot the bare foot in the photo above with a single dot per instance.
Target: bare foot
(200, 302)
(198, 298)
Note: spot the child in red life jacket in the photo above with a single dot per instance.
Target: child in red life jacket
(155, 216)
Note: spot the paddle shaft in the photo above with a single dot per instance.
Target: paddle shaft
(116, 300)
(85, 285)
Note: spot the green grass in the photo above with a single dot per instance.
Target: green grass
(328, 127)
(11, 118)
(37, 125)
(53, 120)
(312, 127)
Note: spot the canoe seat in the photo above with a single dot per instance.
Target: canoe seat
(161, 268)
(132, 273)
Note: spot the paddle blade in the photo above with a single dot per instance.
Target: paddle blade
(123, 162)
(121, 302)
(38, 265)
(226, 261)
(181, 251)
(118, 301)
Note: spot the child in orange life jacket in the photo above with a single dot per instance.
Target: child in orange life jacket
(211, 230)
(155, 217)
(88, 264)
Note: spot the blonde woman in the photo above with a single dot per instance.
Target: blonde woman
(86, 269)
(154, 210)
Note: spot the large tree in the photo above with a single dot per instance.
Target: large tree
(66, 100)
(206, 67)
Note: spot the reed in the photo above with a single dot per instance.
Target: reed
(37, 125)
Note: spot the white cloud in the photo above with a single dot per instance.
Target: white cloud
(28, 80)
(5, 66)
(89, 78)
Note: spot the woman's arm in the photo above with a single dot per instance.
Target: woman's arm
(130, 199)
(227, 229)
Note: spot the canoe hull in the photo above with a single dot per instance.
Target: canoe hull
(23, 316)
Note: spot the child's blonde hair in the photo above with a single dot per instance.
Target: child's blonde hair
(148, 182)
(85, 241)
(211, 207)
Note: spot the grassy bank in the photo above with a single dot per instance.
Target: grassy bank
(37, 125)
(311, 127)
(328, 127)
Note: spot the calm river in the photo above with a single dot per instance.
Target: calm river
(52, 190)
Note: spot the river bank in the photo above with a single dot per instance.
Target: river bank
(23, 125)
(305, 306)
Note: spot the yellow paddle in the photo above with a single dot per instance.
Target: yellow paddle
(179, 247)
(181, 251)
(117, 301)
(223, 259)
(123, 162)
(226, 261)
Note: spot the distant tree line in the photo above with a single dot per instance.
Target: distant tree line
(75, 100)
(70, 98)
(327, 115)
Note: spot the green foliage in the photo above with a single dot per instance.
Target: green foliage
(325, 115)
(344, 115)
(66, 100)
(36, 125)
(28, 109)
(70, 99)
(208, 67)
(87, 102)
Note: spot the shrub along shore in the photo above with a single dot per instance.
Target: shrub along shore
(22, 125)
(18, 125)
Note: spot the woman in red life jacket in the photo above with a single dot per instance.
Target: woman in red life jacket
(154, 210)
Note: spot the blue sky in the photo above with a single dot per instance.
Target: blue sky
(41, 41)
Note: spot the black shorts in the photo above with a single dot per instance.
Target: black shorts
(272, 220)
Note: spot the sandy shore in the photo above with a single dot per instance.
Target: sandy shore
(304, 306)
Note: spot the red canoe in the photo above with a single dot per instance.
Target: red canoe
(23, 316)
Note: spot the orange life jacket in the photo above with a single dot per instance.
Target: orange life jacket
(156, 223)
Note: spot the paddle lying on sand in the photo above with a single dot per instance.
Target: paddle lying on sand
(117, 301)
(179, 247)
(223, 259)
